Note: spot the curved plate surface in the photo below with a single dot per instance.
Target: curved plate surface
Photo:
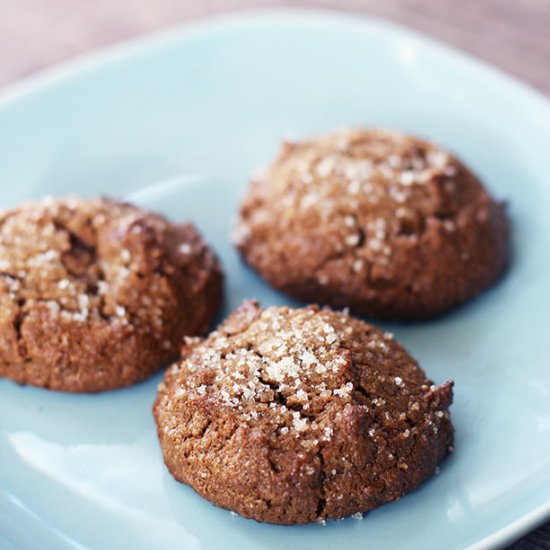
(176, 123)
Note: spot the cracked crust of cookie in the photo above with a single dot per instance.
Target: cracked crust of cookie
(97, 294)
(389, 225)
(292, 416)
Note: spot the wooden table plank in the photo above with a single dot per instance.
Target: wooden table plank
(513, 35)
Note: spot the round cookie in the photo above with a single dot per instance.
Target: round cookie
(389, 225)
(297, 415)
(97, 294)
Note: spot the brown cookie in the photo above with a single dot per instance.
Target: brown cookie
(97, 294)
(297, 415)
(390, 225)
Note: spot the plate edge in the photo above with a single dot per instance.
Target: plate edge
(118, 51)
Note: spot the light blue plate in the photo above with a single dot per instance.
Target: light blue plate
(177, 123)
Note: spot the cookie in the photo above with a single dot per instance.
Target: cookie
(390, 225)
(97, 294)
(297, 415)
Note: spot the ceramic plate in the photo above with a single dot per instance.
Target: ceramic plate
(176, 123)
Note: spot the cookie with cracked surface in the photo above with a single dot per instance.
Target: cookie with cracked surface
(387, 224)
(97, 294)
(297, 415)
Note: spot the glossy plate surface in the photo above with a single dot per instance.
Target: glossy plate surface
(176, 123)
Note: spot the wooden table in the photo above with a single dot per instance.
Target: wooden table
(513, 35)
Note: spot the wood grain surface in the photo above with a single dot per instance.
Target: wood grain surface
(513, 35)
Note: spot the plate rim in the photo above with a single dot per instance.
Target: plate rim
(89, 60)
(61, 73)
